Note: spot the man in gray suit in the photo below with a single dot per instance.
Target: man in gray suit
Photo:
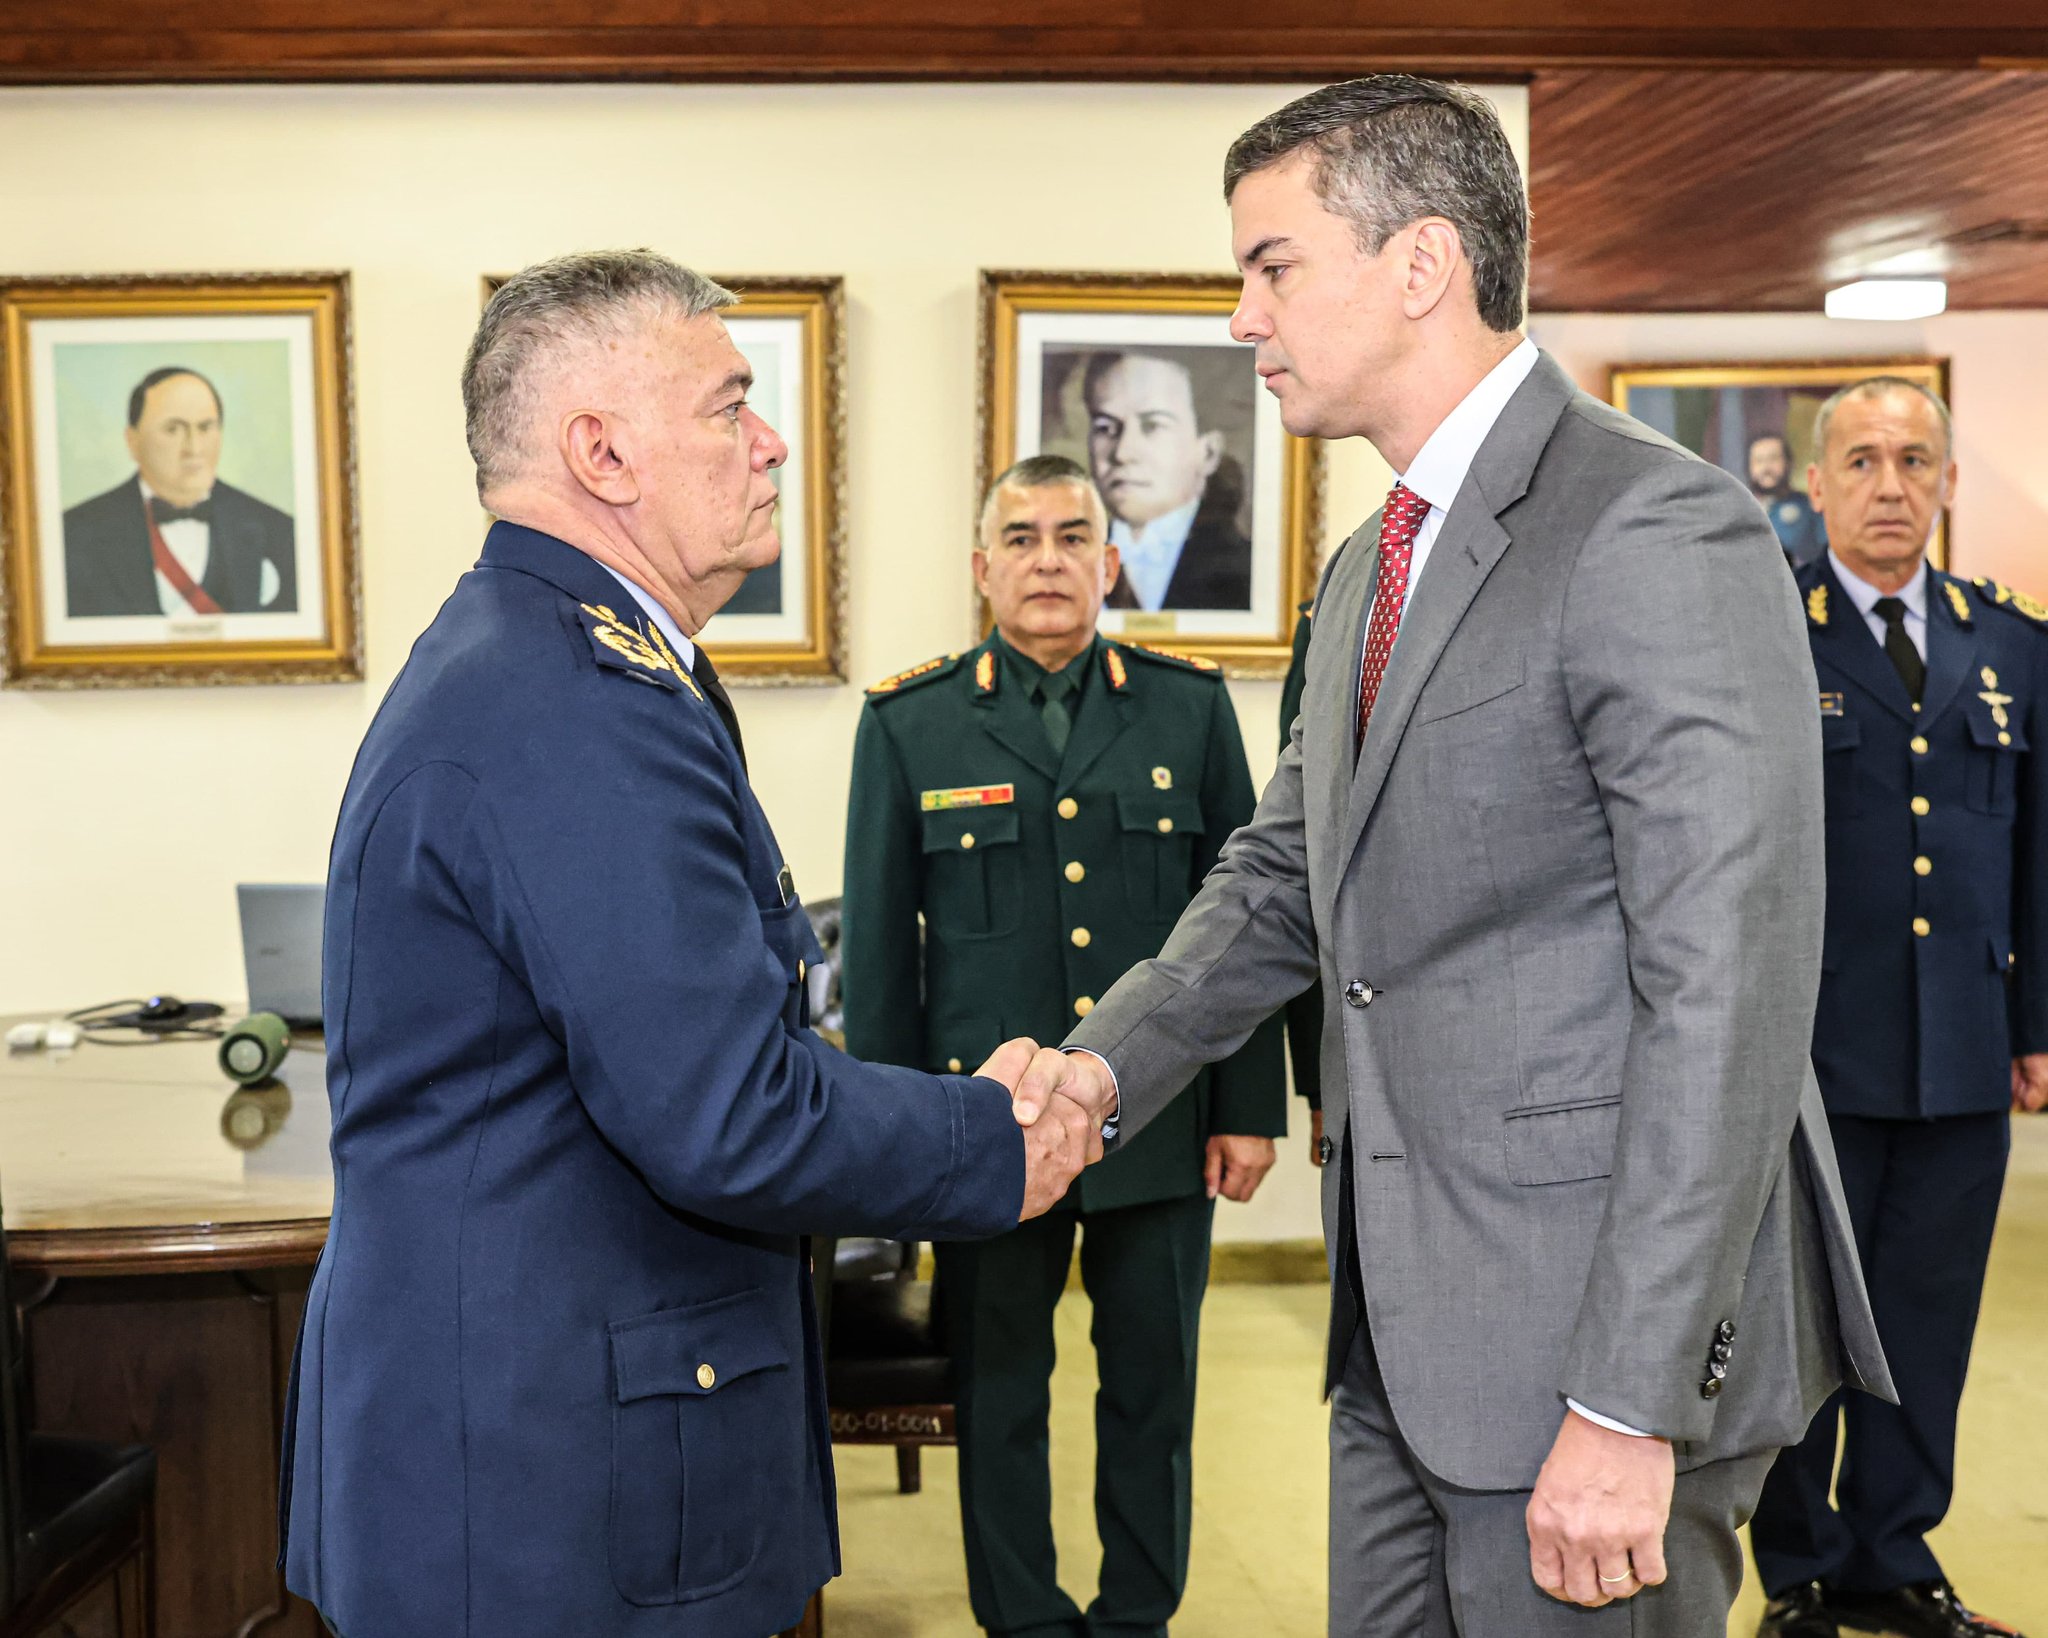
(1549, 830)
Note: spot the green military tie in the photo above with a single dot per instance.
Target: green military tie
(1053, 689)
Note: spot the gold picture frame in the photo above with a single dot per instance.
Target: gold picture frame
(1229, 502)
(1691, 404)
(787, 623)
(105, 381)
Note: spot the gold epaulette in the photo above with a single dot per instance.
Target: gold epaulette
(2004, 597)
(924, 673)
(1173, 656)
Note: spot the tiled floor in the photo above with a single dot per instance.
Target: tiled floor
(1258, 1552)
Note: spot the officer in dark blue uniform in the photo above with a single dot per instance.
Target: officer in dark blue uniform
(559, 1372)
(1933, 1012)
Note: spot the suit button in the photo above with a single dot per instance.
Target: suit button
(967, 838)
(1068, 807)
(1326, 1150)
(952, 1066)
(1923, 866)
(1725, 1330)
(1358, 993)
(1083, 1006)
(707, 1378)
(1080, 936)
(1711, 1388)
(1922, 926)
(1165, 827)
(1724, 1351)
(1920, 806)
(1717, 1371)
(1075, 871)
(1919, 744)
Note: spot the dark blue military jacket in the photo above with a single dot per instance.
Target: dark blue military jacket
(1935, 968)
(559, 1373)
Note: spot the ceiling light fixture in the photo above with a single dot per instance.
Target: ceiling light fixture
(1888, 299)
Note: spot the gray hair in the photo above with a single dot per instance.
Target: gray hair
(1873, 386)
(1036, 472)
(1391, 149)
(571, 300)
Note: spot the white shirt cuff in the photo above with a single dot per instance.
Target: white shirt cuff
(1116, 1092)
(1608, 1422)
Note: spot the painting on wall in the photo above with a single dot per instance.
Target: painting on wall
(1756, 421)
(787, 621)
(178, 478)
(1213, 507)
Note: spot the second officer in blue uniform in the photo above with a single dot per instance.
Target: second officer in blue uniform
(1933, 1015)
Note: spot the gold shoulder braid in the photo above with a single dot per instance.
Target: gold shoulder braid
(1194, 662)
(2003, 596)
(633, 645)
(889, 685)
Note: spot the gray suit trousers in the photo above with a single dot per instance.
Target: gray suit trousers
(1412, 1556)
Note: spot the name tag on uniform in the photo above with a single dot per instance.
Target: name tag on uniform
(966, 796)
(1830, 704)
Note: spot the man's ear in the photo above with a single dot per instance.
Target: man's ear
(1212, 453)
(1113, 565)
(1813, 487)
(133, 438)
(1433, 258)
(590, 450)
(980, 561)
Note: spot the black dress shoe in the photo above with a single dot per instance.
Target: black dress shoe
(1801, 1613)
(1928, 1609)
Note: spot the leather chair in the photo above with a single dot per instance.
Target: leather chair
(74, 1513)
(888, 1378)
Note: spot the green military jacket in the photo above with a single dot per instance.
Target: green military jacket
(1039, 880)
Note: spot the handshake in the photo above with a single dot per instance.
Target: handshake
(1062, 1100)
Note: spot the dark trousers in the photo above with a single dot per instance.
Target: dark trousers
(1923, 1198)
(1145, 1269)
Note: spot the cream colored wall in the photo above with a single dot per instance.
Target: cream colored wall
(128, 817)
(2001, 509)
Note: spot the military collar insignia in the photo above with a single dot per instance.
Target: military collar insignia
(1958, 603)
(1817, 605)
(1193, 662)
(2004, 597)
(985, 672)
(916, 674)
(1113, 665)
(622, 647)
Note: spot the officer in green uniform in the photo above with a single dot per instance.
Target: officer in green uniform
(1047, 803)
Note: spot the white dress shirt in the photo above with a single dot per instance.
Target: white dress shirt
(191, 543)
(1864, 595)
(686, 651)
(1151, 552)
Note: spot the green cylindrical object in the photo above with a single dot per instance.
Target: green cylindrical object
(253, 1049)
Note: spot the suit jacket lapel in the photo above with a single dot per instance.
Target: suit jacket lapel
(1847, 643)
(1951, 652)
(1007, 718)
(1103, 718)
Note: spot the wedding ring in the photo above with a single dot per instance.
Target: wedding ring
(1611, 1580)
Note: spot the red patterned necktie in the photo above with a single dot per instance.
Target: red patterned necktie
(1399, 524)
(171, 569)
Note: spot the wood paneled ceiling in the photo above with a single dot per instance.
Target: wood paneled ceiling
(1705, 192)
(176, 41)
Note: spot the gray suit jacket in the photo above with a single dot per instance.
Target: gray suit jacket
(1567, 912)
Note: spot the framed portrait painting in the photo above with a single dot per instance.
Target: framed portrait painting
(177, 481)
(787, 621)
(1756, 421)
(1214, 509)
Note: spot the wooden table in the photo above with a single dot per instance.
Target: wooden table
(163, 1227)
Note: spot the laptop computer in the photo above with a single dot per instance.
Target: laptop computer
(281, 949)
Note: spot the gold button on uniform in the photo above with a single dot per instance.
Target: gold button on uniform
(1080, 936)
(1922, 865)
(1084, 1006)
(1075, 872)
(967, 838)
(2005, 739)
(1922, 926)
(953, 1066)
(1068, 807)
(706, 1376)
(1920, 805)
(1919, 744)
(1165, 825)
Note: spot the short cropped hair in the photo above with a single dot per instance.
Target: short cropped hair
(1036, 472)
(541, 311)
(1391, 149)
(1873, 386)
(141, 392)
